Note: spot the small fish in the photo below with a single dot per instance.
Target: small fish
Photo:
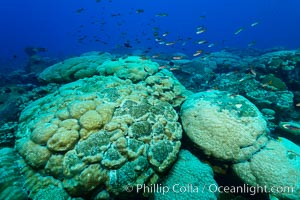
(127, 44)
(180, 97)
(290, 127)
(298, 104)
(254, 24)
(156, 56)
(201, 42)
(252, 43)
(144, 58)
(242, 79)
(211, 45)
(253, 72)
(170, 43)
(162, 15)
(174, 68)
(138, 11)
(200, 30)
(177, 57)
(164, 77)
(162, 67)
(239, 30)
(80, 10)
(115, 14)
(197, 53)
(165, 34)
(202, 17)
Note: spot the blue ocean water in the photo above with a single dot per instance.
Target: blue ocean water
(70, 27)
(36, 34)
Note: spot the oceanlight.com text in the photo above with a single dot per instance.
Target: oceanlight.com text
(212, 188)
(252, 190)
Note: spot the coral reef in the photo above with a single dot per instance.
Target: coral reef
(226, 61)
(7, 134)
(190, 175)
(117, 125)
(74, 68)
(15, 97)
(271, 93)
(278, 61)
(276, 167)
(283, 64)
(135, 68)
(281, 101)
(99, 134)
(272, 81)
(11, 181)
(225, 126)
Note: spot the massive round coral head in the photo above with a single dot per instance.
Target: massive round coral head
(97, 135)
(226, 126)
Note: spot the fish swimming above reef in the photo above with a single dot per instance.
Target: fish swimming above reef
(177, 57)
(198, 52)
(211, 45)
(80, 10)
(165, 34)
(254, 24)
(239, 31)
(162, 15)
(115, 14)
(169, 43)
(252, 43)
(139, 11)
(201, 42)
(127, 44)
(200, 30)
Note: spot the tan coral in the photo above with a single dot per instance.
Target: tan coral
(91, 120)
(54, 165)
(70, 124)
(102, 126)
(43, 132)
(78, 108)
(35, 155)
(63, 140)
